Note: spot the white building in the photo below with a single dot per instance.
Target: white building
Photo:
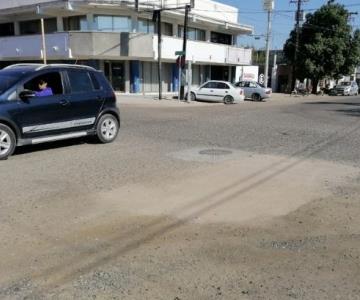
(113, 37)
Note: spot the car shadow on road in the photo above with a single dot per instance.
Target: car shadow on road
(117, 246)
(53, 145)
(350, 112)
(333, 103)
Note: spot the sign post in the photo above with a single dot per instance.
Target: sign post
(180, 62)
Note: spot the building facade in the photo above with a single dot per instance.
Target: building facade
(112, 36)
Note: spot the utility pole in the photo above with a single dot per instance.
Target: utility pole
(298, 16)
(157, 20)
(269, 6)
(185, 37)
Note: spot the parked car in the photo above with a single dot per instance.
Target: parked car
(346, 88)
(254, 90)
(218, 91)
(78, 101)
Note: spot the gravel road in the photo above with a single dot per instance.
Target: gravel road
(192, 201)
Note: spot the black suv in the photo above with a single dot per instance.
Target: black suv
(44, 103)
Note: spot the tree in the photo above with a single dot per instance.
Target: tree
(328, 46)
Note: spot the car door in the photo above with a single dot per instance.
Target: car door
(41, 115)
(222, 89)
(86, 97)
(206, 91)
(247, 89)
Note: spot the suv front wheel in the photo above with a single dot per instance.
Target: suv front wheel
(7, 142)
(107, 128)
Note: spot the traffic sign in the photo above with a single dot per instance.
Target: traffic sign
(180, 61)
(180, 53)
(261, 78)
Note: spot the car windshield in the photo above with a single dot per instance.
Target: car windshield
(7, 81)
(345, 83)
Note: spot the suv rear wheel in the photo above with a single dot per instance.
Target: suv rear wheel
(107, 128)
(7, 142)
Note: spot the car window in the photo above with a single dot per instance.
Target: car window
(207, 85)
(240, 84)
(7, 81)
(210, 85)
(52, 80)
(95, 82)
(80, 81)
(252, 84)
(222, 86)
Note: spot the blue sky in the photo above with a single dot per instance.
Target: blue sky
(251, 13)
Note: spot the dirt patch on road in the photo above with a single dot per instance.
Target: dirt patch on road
(252, 227)
(246, 187)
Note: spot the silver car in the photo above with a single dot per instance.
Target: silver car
(346, 88)
(254, 90)
(218, 91)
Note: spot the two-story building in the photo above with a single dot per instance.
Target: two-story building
(114, 37)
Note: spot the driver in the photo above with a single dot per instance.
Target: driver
(44, 90)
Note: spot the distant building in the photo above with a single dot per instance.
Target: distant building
(113, 37)
(280, 77)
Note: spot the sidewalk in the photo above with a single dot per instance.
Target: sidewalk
(168, 100)
(171, 100)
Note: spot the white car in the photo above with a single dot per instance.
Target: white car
(346, 88)
(254, 90)
(218, 91)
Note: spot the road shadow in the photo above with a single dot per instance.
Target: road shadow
(350, 112)
(53, 145)
(334, 103)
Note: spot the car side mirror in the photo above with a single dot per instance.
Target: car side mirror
(26, 94)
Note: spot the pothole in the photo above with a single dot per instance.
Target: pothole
(215, 152)
(211, 155)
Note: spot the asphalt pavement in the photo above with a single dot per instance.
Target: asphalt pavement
(257, 200)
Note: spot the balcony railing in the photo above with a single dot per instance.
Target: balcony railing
(112, 45)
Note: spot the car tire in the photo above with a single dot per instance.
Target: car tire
(107, 128)
(7, 142)
(255, 97)
(228, 99)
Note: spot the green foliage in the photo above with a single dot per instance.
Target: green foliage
(328, 47)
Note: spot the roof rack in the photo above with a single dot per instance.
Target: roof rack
(42, 66)
(71, 65)
(38, 66)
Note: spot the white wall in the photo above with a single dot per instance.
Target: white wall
(202, 52)
(207, 8)
(18, 3)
